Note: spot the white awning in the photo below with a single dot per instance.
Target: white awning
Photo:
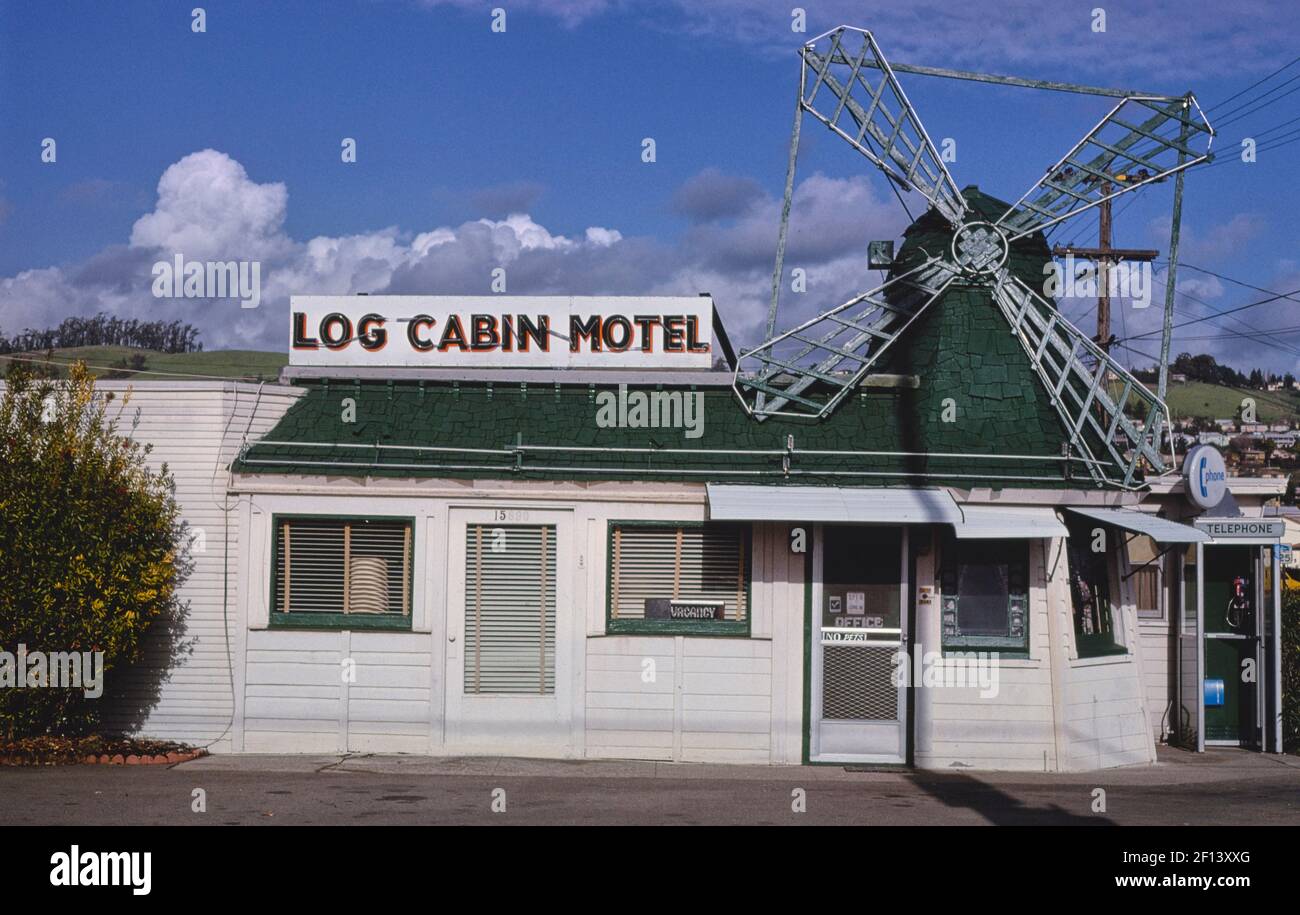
(1161, 530)
(728, 502)
(1008, 522)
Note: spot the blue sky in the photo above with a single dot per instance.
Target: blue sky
(523, 148)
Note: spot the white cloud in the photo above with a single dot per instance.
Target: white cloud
(209, 208)
(603, 237)
(1216, 242)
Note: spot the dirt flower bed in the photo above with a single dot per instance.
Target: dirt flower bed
(66, 751)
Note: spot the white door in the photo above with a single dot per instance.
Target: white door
(860, 587)
(510, 613)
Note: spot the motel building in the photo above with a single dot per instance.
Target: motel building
(547, 527)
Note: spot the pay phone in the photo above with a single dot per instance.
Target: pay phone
(1240, 612)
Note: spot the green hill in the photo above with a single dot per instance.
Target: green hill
(1208, 401)
(128, 362)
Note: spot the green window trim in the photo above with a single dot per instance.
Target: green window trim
(339, 621)
(953, 641)
(641, 626)
(334, 621)
(1098, 645)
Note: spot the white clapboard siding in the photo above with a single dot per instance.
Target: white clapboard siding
(958, 727)
(677, 698)
(333, 692)
(1159, 667)
(388, 704)
(182, 689)
(1159, 646)
(778, 614)
(1103, 700)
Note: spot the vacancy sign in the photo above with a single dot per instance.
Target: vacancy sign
(538, 332)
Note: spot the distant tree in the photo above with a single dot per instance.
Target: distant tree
(1204, 368)
(106, 330)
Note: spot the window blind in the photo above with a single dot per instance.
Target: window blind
(510, 609)
(686, 563)
(328, 565)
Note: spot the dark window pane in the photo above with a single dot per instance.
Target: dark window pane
(983, 589)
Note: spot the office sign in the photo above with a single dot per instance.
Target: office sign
(530, 332)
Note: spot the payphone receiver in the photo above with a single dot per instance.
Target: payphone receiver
(1238, 613)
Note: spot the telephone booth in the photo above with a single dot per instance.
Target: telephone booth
(1229, 646)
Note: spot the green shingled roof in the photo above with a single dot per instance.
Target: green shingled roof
(978, 395)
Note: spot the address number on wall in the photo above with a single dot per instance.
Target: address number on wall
(509, 514)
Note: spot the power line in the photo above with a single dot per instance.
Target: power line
(1289, 406)
(1259, 149)
(1262, 105)
(1237, 334)
(1273, 344)
(1228, 279)
(1257, 82)
(1274, 298)
(1264, 133)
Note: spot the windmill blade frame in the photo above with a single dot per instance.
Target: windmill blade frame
(1072, 185)
(842, 340)
(883, 118)
(1076, 373)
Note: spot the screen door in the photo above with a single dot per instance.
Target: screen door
(860, 585)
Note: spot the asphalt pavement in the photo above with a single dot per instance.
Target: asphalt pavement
(1221, 787)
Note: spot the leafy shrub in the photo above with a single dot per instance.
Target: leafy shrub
(88, 541)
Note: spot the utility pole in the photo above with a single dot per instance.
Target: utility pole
(1103, 271)
(1105, 256)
